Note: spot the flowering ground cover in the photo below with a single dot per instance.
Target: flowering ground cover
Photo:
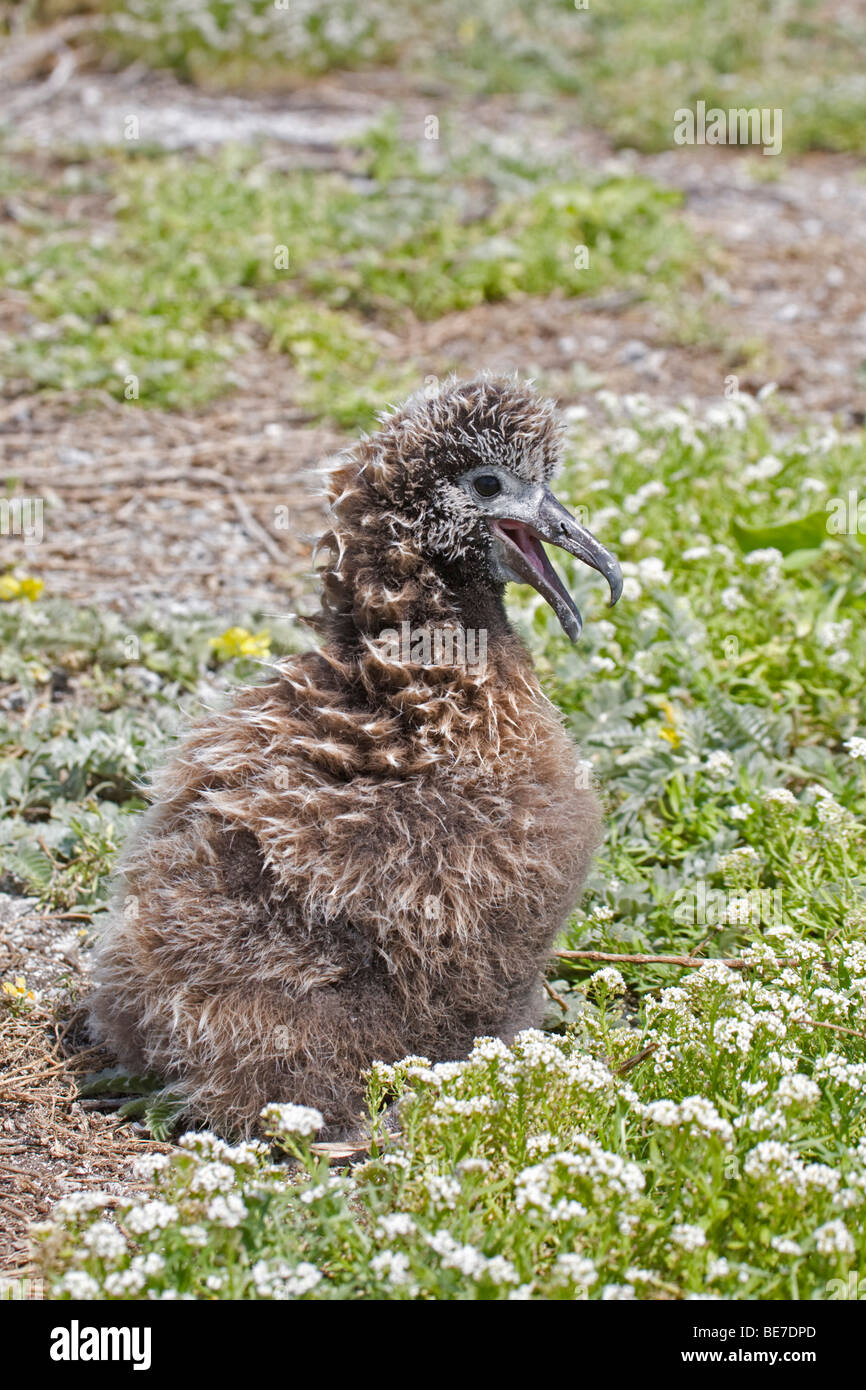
(681, 1131)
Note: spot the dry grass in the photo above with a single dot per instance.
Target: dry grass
(50, 1143)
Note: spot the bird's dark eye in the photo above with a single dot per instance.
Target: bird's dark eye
(487, 485)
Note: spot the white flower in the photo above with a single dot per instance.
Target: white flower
(743, 857)
(731, 598)
(688, 1237)
(382, 1072)
(772, 561)
(837, 661)
(313, 1194)
(150, 1216)
(734, 1035)
(798, 1090)
(829, 812)
(502, 1271)
(651, 571)
(476, 1165)
(635, 501)
(280, 1281)
(78, 1285)
(392, 1265)
(767, 467)
(834, 634)
(125, 1282)
(577, 1269)
(464, 1258)
(719, 763)
(398, 1223)
(611, 979)
(630, 536)
(604, 664)
(693, 1110)
(625, 440)
(212, 1177)
(779, 796)
(195, 1235)
(286, 1119)
(79, 1203)
(105, 1240)
(834, 1238)
(856, 747)
(227, 1211)
(770, 556)
(151, 1164)
(489, 1050)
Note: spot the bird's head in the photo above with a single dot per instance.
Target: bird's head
(455, 486)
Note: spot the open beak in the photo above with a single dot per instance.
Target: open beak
(518, 542)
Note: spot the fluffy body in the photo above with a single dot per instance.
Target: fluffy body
(366, 856)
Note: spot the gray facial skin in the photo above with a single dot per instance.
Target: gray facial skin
(521, 515)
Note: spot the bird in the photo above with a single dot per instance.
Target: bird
(368, 854)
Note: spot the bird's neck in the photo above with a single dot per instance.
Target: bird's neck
(430, 646)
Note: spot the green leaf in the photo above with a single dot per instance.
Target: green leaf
(114, 1081)
(134, 1109)
(798, 533)
(162, 1113)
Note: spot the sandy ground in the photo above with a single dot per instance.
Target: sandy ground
(180, 509)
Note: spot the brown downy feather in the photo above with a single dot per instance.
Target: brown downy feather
(367, 856)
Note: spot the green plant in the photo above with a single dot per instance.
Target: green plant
(684, 1130)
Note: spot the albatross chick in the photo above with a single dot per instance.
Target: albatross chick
(370, 854)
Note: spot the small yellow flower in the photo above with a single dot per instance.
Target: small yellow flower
(237, 641)
(28, 588)
(668, 730)
(17, 990)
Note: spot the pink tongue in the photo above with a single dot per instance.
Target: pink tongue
(525, 542)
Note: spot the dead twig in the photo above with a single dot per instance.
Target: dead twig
(634, 1061)
(557, 998)
(65, 1063)
(66, 916)
(834, 1027)
(689, 962)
